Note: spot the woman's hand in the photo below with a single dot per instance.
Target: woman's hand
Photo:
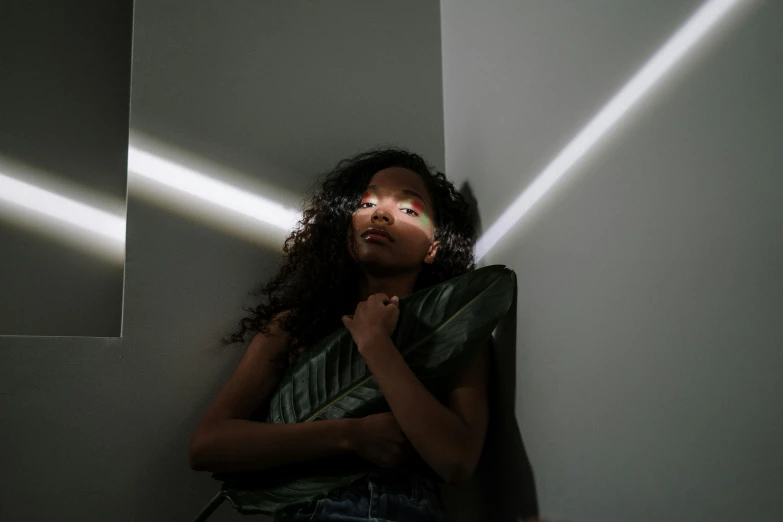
(373, 319)
(379, 439)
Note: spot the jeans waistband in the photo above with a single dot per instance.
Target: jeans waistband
(410, 483)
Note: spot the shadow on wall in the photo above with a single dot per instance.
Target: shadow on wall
(502, 487)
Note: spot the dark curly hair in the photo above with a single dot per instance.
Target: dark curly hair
(318, 279)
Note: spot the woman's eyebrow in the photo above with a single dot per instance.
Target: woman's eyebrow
(407, 192)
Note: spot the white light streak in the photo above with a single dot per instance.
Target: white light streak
(196, 184)
(104, 224)
(682, 41)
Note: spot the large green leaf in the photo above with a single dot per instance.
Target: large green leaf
(439, 331)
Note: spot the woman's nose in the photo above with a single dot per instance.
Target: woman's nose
(380, 215)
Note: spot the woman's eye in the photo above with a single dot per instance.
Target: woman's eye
(408, 211)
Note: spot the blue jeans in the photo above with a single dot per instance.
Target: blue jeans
(380, 496)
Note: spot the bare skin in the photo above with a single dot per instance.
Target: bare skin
(391, 267)
(226, 440)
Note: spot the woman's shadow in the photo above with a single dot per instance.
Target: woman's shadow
(502, 488)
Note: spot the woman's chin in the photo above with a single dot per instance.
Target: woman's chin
(381, 265)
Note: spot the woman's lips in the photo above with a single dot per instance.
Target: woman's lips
(376, 237)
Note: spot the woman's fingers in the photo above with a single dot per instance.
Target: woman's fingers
(292, 357)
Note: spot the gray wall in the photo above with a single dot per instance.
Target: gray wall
(274, 91)
(648, 339)
(644, 336)
(64, 95)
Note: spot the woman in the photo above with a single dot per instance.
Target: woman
(381, 226)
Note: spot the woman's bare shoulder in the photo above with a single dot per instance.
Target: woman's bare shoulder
(248, 389)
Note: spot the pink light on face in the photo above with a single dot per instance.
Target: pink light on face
(417, 206)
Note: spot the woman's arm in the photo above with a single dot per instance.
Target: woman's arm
(449, 438)
(243, 445)
(227, 440)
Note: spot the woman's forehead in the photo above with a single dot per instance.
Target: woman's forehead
(396, 179)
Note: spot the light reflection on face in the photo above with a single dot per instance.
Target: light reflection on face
(397, 200)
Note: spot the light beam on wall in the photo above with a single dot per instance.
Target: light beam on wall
(103, 224)
(70, 214)
(681, 42)
(188, 181)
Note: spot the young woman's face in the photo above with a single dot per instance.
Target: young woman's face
(397, 202)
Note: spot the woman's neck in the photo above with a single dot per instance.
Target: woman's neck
(400, 285)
